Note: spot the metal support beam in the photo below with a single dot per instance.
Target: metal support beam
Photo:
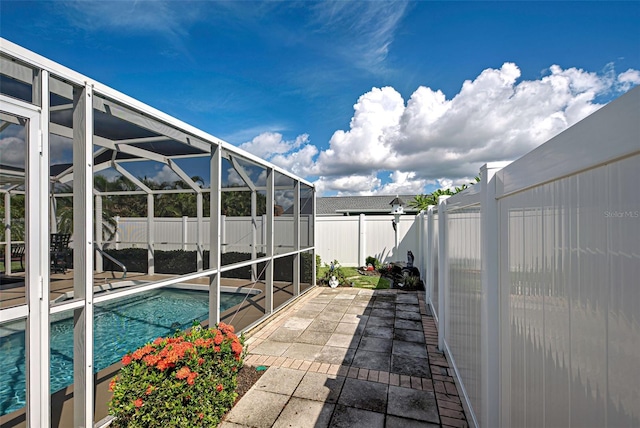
(44, 352)
(7, 233)
(200, 233)
(150, 235)
(184, 176)
(151, 124)
(254, 234)
(269, 248)
(312, 236)
(242, 173)
(131, 177)
(35, 311)
(83, 256)
(296, 237)
(53, 204)
(215, 239)
(98, 233)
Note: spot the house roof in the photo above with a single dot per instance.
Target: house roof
(354, 205)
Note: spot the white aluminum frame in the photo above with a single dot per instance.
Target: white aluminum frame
(36, 311)
(89, 95)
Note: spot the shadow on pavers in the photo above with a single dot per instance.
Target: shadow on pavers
(385, 339)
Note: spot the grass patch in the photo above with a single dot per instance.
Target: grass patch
(15, 267)
(359, 281)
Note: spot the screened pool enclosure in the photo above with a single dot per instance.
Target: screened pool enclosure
(213, 222)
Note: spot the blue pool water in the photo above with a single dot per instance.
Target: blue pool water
(120, 326)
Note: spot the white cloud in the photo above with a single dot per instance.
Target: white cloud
(295, 155)
(348, 185)
(165, 174)
(269, 144)
(434, 140)
(170, 19)
(628, 79)
(284, 198)
(406, 183)
(12, 146)
(132, 16)
(361, 31)
(234, 179)
(12, 152)
(363, 149)
(431, 141)
(60, 149)
(300, 162)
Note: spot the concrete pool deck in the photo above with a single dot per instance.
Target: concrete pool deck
(349, 358)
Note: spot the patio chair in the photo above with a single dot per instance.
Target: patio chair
(17, 254)
(59, 252)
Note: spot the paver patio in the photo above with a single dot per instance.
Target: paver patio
(350, 357)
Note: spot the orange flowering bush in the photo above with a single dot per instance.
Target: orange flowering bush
(188, 380)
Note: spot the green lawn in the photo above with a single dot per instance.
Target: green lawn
(15, 267)
(359, 281)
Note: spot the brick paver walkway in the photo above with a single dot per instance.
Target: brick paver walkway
(350, 358)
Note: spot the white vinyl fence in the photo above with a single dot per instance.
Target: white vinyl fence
(236, 233)
(348, 239)
(533, 275)
(351, 239)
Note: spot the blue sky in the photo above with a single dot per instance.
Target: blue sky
(358, 97)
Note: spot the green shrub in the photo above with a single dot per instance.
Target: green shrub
(332, 269)
(372, 261)
(180, 262)
(306, 268)
(135, 259)
(188, 380)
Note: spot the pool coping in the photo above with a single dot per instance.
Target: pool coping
(62, 400)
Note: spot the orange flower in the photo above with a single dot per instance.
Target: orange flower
(158, 341)
(201, 415)
(218, 339)
(219, 388)
(216, 348)
(142, 352)
(151, 360)
(183, 373)
(138, 403)
(126, 360)
(226, 328)
(175, 351)
(200, 342)
(191, 378)
(164, 364)
(236, 348)
(149, 390)
(200, 361)
(112, 384)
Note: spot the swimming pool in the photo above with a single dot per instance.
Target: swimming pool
(119, 327)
